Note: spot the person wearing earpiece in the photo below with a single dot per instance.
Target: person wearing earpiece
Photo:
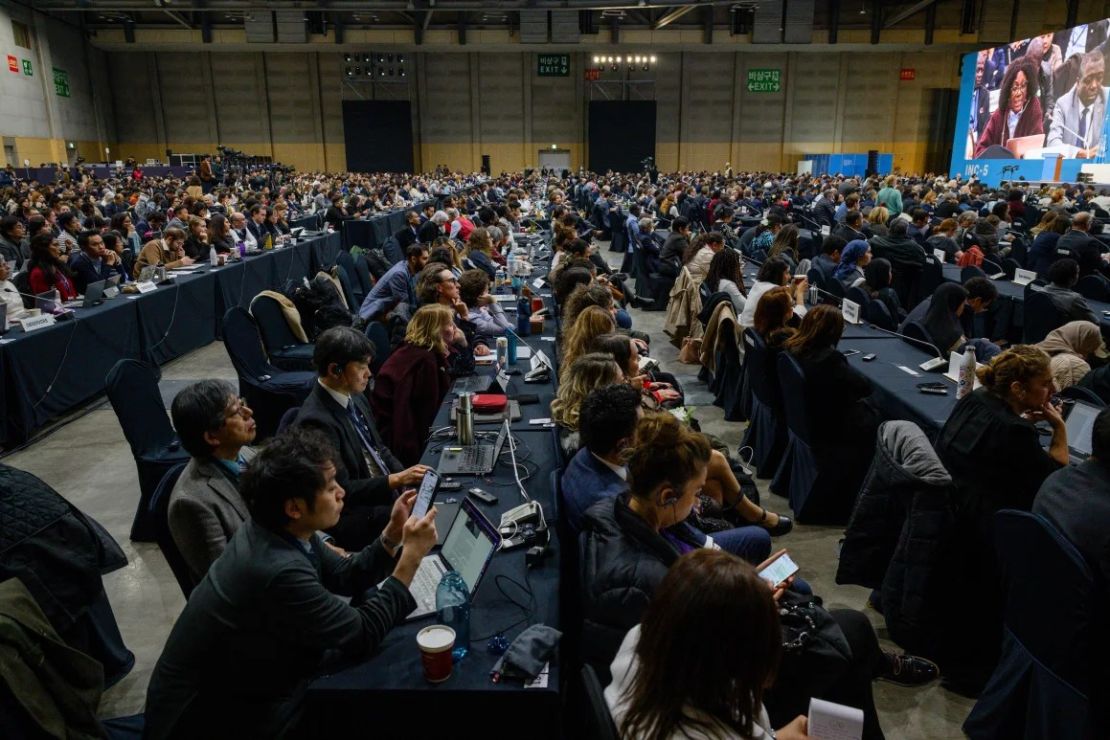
(365, 467)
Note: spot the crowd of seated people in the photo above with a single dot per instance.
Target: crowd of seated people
(670, 524)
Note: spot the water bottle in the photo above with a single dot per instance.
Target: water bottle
(213, 258)
(499, 280)
(511, 341)
(453, 606)
(967, 373)
(464, 419)
(523, 316)
(242, 249)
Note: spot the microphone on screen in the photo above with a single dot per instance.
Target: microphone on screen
(933, 364)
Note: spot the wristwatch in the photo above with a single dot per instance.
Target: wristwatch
(387, 543)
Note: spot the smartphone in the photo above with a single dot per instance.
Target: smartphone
(850, 352)
(425, 494)
(777, 568)
(869, 357)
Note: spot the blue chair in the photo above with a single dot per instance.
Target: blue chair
(1042, 686)
(391, 248)
(766, 435)
(653, 285)
(878, 314)
(859, 296)
(971, 271)
(132, 390)
(347, 262)
(287, 419)
(1094, 287)
(378, 333)
(914, 330)
(362, 275)
(805, 478)
(1040, 316)
(268, 390)
(159, 514)
(932, 275)
(282, 346)
(344, 278)
(1086, 395)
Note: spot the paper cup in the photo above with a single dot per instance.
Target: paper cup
(435, 644)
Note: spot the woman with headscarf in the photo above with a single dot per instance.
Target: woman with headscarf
(1070, 347)
(1019, 108)
(942, 320)
(854, 257)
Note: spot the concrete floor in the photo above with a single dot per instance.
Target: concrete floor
(147, 600)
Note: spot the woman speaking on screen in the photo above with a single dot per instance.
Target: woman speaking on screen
(1019, 108)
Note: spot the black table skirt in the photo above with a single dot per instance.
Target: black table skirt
(175, 319)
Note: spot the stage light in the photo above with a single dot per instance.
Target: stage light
(618, 60)
(653, 59)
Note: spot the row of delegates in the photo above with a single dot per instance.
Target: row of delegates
(629, 543)
(268, 616)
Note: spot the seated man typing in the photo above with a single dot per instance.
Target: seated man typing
(365, 467)
(266, 618)
(205, 507)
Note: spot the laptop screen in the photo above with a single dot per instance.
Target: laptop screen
(469, 544)
(1079, 424)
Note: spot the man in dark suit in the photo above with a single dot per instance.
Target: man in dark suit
(432, 229)
(1087, 249)
(824, 212)
(599, 214)
(409, 234)
(94, 262)
(365, 467)
(268, 617)
(1076, 499)
(980, 101)
(675, 245)
(254, 223)
(205, 508)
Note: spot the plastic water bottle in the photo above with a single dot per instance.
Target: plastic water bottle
(499, 280)
(453, 606)
(213, 258)
(967, 373)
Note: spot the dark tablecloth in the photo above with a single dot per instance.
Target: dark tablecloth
(392, 681)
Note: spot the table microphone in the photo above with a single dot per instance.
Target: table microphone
(932, 364)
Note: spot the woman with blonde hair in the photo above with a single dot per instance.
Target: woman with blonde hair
(414, 381)
(591, 323)
(876, 220)
(1070, 348)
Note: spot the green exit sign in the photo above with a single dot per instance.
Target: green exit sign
(764, 80)
(553, 65)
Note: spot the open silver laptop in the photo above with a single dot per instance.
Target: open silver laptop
(470, 544)
(1080, 423)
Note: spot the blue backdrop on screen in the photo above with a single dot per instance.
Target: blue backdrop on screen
(1025, 104)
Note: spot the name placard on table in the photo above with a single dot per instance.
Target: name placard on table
(37, 322)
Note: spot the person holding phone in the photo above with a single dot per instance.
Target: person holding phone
(993, 452)
(365, 467)
(665, 682)
(269, 616)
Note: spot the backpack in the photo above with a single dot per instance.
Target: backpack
(377, 262)
(319, 305)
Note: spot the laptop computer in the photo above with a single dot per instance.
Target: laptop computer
(94, 293)
(47, 302)
(1080, 422)
(470, 544)
(472, 459)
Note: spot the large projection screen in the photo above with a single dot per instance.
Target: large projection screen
(1028, 103)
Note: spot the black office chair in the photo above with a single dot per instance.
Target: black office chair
(378, 333)
(808, 479)
(1019, 250)
(1040, 316)
(22, 283)
(570, 595)
(159, 514)
(1094, 286)
(932, 275)
(282, 346)
(836, 288)
(1045, 683)
(766, 432)
(268, 390)
(133, 392)
(1010, 266)
(878, 314)
(914, 330)
(816, 277)
(599, 722)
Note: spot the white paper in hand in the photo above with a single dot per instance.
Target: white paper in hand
(830, 721)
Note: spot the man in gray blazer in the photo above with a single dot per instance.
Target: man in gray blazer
(268, 617)
(1077, 117)
(205, 507)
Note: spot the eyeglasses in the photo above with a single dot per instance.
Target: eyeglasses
(1020, 86)
(239, 408)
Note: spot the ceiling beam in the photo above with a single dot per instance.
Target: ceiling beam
(908, 12)
(672, 16)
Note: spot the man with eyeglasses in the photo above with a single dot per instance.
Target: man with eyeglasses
(1078, 116)
(205, 507)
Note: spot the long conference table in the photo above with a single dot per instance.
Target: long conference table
(51, 371)
(391, 683)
